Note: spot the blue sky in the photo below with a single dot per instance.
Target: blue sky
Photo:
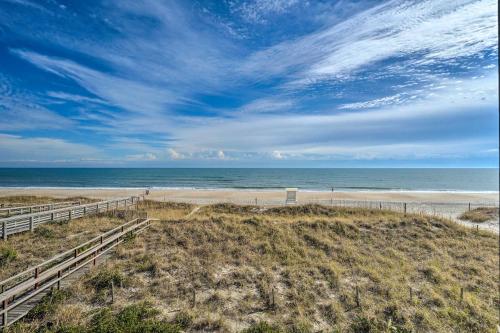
(249, 83)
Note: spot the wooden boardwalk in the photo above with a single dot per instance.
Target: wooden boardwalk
(22, 292)
(28, 222)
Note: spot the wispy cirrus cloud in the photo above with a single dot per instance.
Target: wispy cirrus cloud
(17, 148)
(171, 78)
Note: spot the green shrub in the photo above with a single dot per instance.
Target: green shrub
(102, 280)
(7, 254)
(263, 327)
(136, 318)
(45, 232)
(183, 319)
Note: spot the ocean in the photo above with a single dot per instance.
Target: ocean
(452, 180)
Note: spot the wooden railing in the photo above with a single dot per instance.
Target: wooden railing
(18, 210)
(18, 293)
(25, 222)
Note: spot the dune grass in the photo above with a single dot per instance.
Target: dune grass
(291, 269)
(480, 214)
(26, 200)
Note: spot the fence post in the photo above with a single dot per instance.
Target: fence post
(404, 205)
(4, 316)
(273, 304)
(4, 231)
(70, 214)
(193, 299)
(358, 303)
(84, 210)
(36, 277)
(59, 280)
(32, 224)
(469, 206)
(112, 291)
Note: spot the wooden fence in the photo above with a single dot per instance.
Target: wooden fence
(25, 222)
(18, 210)
(20, 293)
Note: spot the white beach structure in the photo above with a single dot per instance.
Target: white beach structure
(291, 195)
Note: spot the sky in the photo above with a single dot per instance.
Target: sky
(249, 83)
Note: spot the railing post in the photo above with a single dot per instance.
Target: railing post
(84, 210)
(59, 280)
(36, 277)
(32, 224)
(76, 253)
(52, 216)
(4, 231)
(4, 316)
(70, 214)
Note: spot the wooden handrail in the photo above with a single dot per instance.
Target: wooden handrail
(19, 223)
(27, 289)
(71, 251)
(40, 205)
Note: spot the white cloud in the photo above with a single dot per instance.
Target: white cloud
(427, 31)
(392, 131)
(277, 155)
(18, 148)
(22, 111)
(174, 155)
(221, 155)
(267, 105)
(141, 157)
(388, 100)
(130, 95)
(257, 11)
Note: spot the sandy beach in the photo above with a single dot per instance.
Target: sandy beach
(262, 196)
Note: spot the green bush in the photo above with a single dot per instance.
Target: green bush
(136, 318)
(7, 254)
(263, 327)
(102, 280)
(183, 319)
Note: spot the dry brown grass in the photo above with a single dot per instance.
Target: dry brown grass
(219, 269)
(26, 200)
(480, 214)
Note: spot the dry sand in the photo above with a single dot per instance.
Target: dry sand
(250, 196)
